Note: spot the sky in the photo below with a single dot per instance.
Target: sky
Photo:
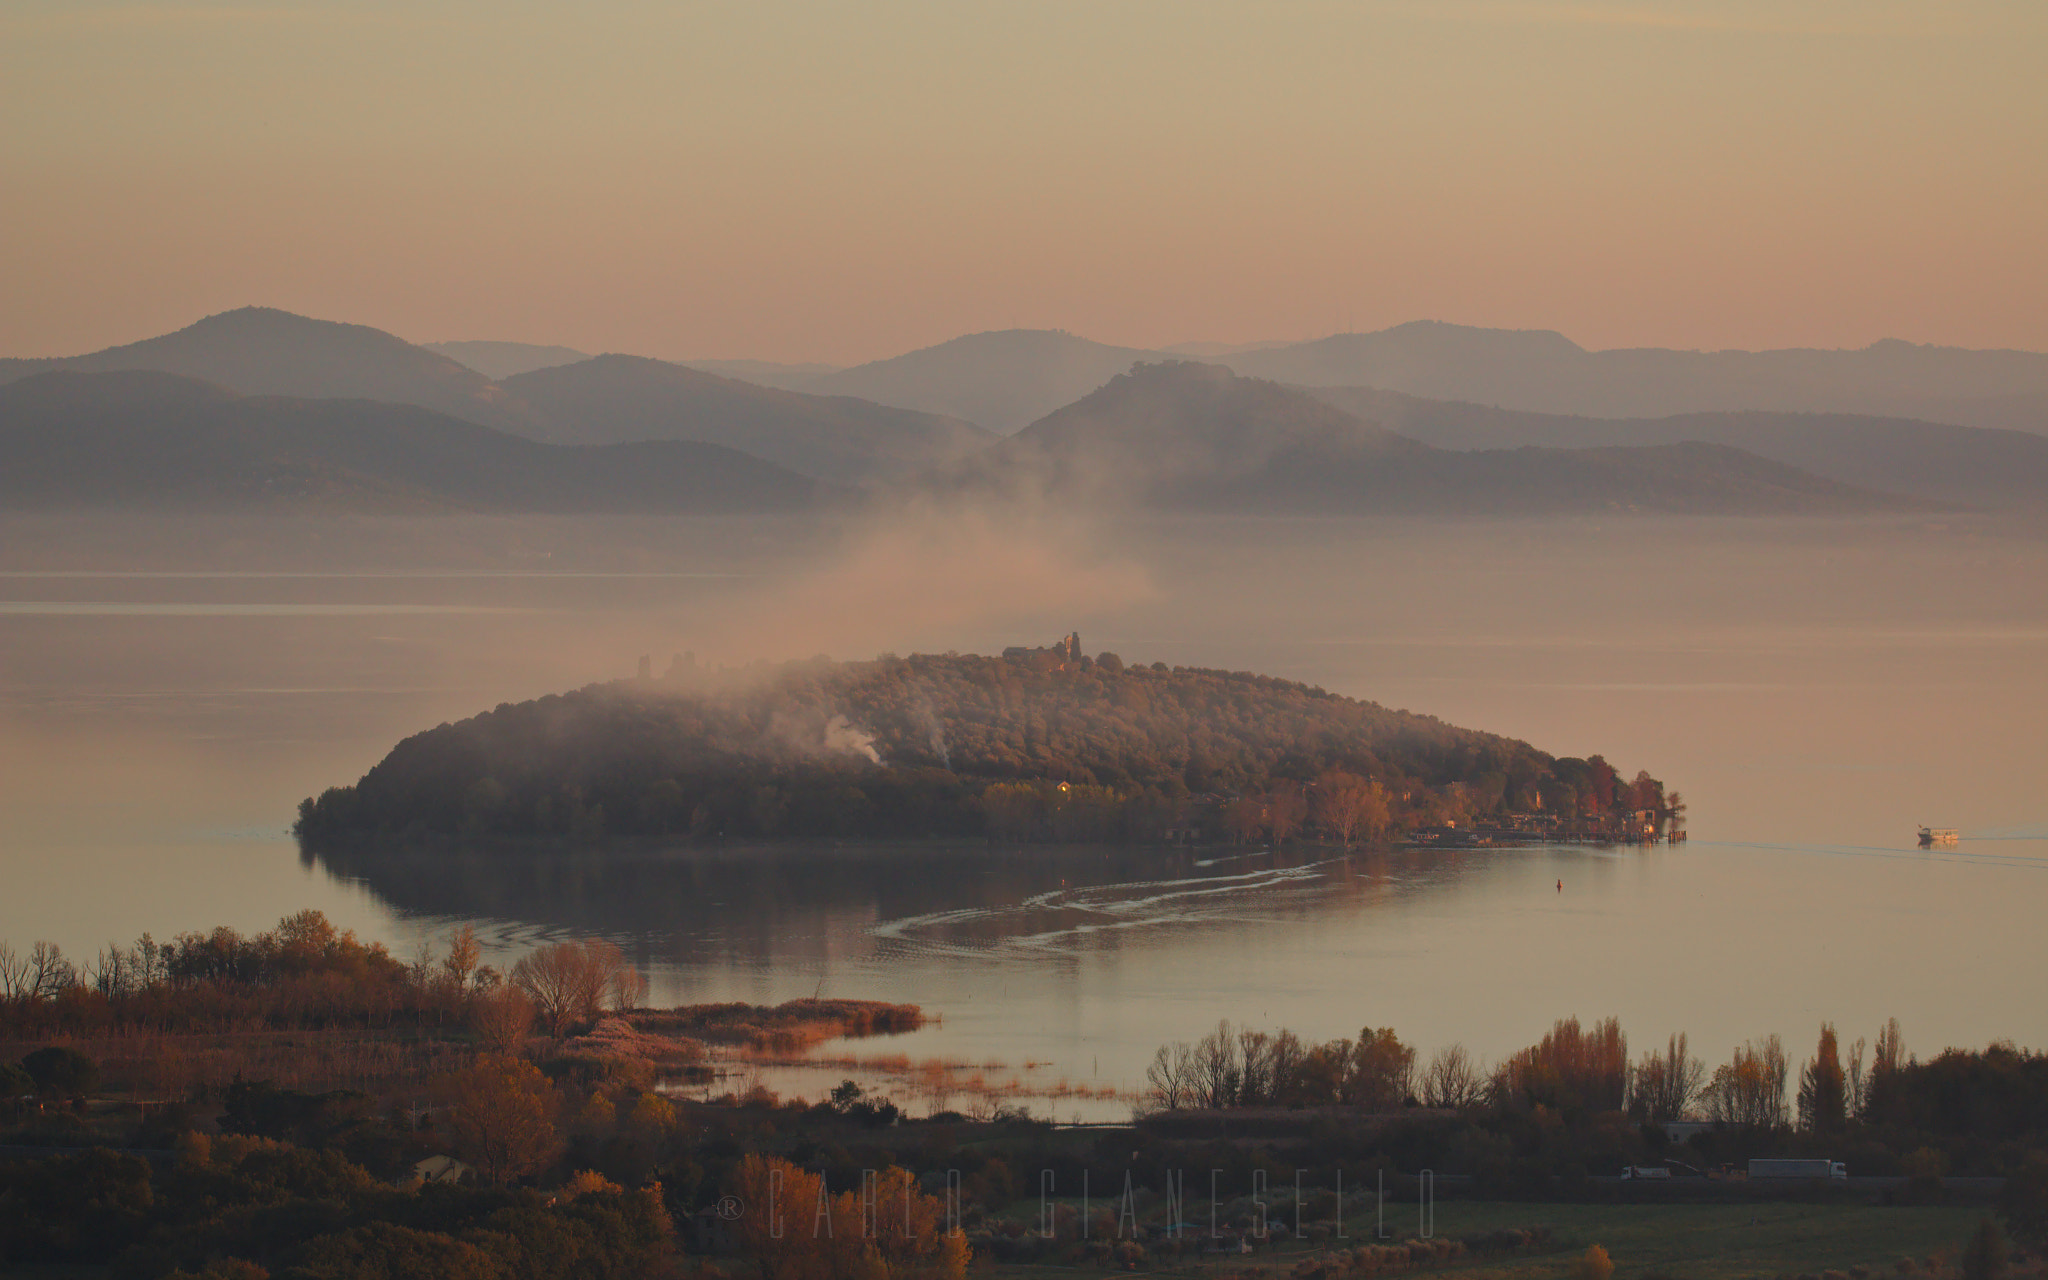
(837, 181)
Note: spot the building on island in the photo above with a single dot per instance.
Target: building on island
(1060, 654)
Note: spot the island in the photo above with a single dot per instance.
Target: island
(1040, 743)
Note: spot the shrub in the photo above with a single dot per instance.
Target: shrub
(64, 1072)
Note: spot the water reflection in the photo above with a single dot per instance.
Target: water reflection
(780, 905)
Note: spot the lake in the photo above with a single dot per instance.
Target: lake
(170, 690)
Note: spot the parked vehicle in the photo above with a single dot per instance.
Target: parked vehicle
(1831, 1169)
(1646, 1171)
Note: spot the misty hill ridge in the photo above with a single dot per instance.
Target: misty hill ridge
(1543, 371)
(1001, 380)
(1193, 436)
(614, 399)
(766, 373)
(263, 351)
(137, 438)
(1007, 379)
(1940, 462)
(500, 360)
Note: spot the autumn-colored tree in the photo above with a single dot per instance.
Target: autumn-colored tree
(1823, 1091)
(1381, 1071)
(1593, 1264)
(1598, 794)
(1245, 818)
(892, 1231)
(463, 957)
(1350, 807)
(586, 1182)
(502, 1018)
(779, 1225)
(501, 1115)
(1749, 1089)
(1286, 809)
(1571, 1069)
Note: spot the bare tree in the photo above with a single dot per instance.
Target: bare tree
(1664, 1086)
(1889, 1054)
(1285, 1057)
(14, 972)
(627, 986)
(113, 972)
(1216, 1069)
(1452, 1079)
(1171, 1076)
(570, 982)
(1674, 811)
(49, 972)
(1255, 1068)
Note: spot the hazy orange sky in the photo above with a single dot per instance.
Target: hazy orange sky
(840, 181)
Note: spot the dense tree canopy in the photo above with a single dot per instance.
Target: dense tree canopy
(949, 745)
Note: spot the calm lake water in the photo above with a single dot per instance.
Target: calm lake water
(1817, 690)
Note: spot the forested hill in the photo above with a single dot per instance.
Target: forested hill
(1044, 746)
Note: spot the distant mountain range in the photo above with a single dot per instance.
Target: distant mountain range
(768, 373)
(1192, 436)
(1002, 381)
(1006, 379)
(1390, 421)
(259, 351)
(146, 439)
(617, 399)
(1548, 373)
(500, 360)
(1976, 466)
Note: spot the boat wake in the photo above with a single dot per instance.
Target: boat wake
(1068, 919)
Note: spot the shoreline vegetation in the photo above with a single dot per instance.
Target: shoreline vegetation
(1040, 745)
(301, 1104)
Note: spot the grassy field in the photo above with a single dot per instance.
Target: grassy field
(1683, 1242)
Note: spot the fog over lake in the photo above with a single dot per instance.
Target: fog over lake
(1816, 689)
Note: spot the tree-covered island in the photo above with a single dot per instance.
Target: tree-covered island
(1036, 745)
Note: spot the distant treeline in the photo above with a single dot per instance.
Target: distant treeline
(1085, 750)
(308, 975)
(1576, 1098)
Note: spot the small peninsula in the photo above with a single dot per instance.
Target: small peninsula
(1038, 744)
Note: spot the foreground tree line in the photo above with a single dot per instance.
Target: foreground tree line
(1088, 750)
(578, 1164)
